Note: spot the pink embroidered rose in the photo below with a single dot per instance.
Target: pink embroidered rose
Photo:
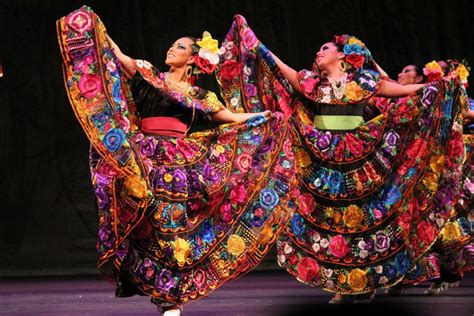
(338, 246)
(306, 203)
(90, 85)
(79, 21)
(249, 39)
(238, 194)
(308, 84)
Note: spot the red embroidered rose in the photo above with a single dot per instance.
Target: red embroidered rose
(455, 150)
(355, 145)
(426, 232)
(355, 60)
(417, 148)
(308, 269)
(229, 70)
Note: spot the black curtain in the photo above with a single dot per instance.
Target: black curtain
(48, 217)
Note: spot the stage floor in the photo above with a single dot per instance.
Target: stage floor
(258, 293)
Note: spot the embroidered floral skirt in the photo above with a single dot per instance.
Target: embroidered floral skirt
(178, 217)
(453, 253)
(372, 201)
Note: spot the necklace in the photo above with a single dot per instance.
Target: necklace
(187, 97)
(338, 90)
(176, 84)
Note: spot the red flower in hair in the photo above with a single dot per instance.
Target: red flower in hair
(204, 65)
(355, 60)
(339, 40)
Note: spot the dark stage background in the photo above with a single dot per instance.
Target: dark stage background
(47, 209)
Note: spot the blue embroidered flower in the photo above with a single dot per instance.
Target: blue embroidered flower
(114, 139)
(256, 120)
(297, 225)
(402, 262)
(353, 49)
(391, 271)
(207, 233)
(101, 119)
(335, 182)
(411, 172)
(269, 198)
(116, 94)
(391, 194)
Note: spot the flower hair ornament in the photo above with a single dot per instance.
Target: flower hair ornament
(357, 54)
(434, 72)
(206, 58)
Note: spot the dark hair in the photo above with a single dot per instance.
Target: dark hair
(419, 72)
(194, 46)
(340, 47)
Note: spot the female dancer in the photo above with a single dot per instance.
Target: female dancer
(371, 198)
(180, 213)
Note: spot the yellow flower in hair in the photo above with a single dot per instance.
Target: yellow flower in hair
(208, 42)
(354, 40)
(434, 67)
(462, 72)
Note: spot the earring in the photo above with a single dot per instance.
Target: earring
(342, 66)
(189, 72)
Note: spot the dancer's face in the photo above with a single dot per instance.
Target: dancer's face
(409, 75)
(328, 56)
(180, 54)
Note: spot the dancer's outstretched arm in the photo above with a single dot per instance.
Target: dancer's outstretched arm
(128, 64)
(290, 74)
(226, 116)
(390, 89)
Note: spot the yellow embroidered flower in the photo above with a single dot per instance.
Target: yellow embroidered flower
(181, 250)
(302, 158)
(354, 92)
(437, 163)
(213, 102)
(208, 42)
(352, 216)
(451, 231)
(265, 235)
(168, 177)
(136, 186)
(354, 40)
(329, 212)
(462, 72)
(337, 217)
(235, 245)
(357, 279)
(342, 278)
(434, 67)
(220, 149)
(430, 181)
